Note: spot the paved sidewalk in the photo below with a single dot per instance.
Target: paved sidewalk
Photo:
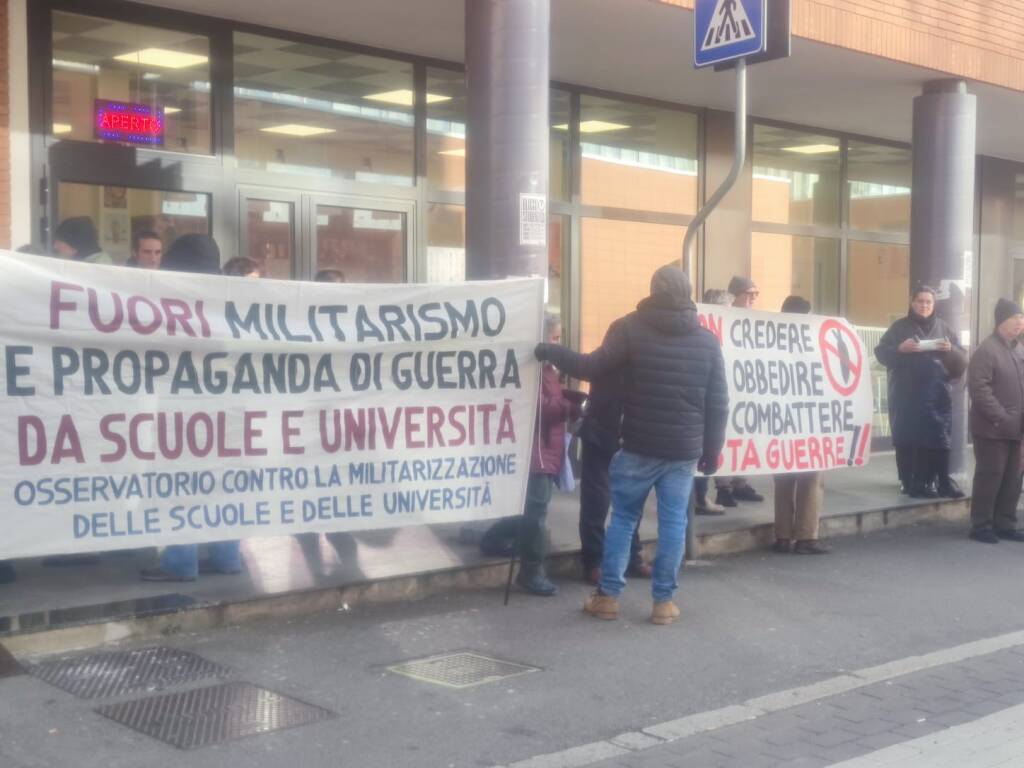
(991, 742)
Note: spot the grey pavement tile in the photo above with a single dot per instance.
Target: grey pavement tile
(833, 737)
(916, 730)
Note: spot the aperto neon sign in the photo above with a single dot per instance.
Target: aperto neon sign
(130, 123)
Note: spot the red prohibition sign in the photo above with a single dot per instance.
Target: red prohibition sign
(842, 356)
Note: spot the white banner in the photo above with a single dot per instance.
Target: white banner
(799, 391)
(148, 408)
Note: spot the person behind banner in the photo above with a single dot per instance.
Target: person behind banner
(675, 407)
(599, 440)
(798, 495)
(900, 349)
(76, 239)
(147, 250)
(995, 381)
(330, 276)
(702, 505)
(197, 254)
(731, 490)
(242, 266)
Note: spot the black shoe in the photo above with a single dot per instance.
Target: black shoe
(159, 574)
(1009, 534)
(811, 547)
(746, 493)
(948, 489)
(923, 491)
(207, 566)
(984, 535)
(7, 573)
(725, 498)
(536, 583)
(782, 546)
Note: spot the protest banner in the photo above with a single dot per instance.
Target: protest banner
(799, 391)
(146, 408)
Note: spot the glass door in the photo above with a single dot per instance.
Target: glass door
(269, 233)
(367, 241)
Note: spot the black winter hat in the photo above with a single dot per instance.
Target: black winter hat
(193, 253)
(80, 233)
(672, 282)
(1005, 309)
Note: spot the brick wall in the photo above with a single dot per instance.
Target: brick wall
(5, 135)
(976, 39)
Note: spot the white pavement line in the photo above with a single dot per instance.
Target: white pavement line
(584, 754)
(673, 730)
(994, 740)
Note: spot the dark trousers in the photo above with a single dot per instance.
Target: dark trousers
(532, 531)
(906, 459)
(595, 499)
(996, 484)
(931, 465)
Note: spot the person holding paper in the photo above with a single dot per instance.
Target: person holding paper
(921, 332)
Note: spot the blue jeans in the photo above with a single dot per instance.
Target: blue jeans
(632, 477)
(183, 559)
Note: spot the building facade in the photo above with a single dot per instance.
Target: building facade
(323, 134)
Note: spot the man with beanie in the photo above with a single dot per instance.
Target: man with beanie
(995, 381)
(675, 406)
(76, 239)
(198, 254)
(731, 490)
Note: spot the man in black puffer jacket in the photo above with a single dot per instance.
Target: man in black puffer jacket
(675, 406)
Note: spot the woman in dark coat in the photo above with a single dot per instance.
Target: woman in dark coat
(908, 350)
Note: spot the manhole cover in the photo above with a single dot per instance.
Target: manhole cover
(212, 715)
(463, 669)
(103, 675)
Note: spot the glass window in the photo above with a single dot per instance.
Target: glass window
(446, 243)
(270, 236)
(119, 212)
(131, 84)
(309, 109)
(878, 185)
(637, 156)
(368, 246)
(617, 261)
(559, 110)
(796, 177)
(877, 283)
(782, 265)
(446, 130)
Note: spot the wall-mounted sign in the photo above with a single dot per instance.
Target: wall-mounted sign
(130, 123)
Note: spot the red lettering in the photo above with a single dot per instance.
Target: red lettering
(94, 312)
(800, 454)
(750, 458)
(390, 430)
(133, 316)
(713, 324)
(435, 419)
(177, 312)
(67, 443)
(31, 426)
(251, 433)
(412, 427)
(814, 453)
(193, 442)
(57, 305)
(288, 431)
(121, 448)
(733, 446)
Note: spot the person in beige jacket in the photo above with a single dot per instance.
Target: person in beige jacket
(995, 381)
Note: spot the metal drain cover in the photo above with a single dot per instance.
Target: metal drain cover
(103, 675)
(462, 669)
(212, 715)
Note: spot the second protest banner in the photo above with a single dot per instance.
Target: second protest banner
(799, 391)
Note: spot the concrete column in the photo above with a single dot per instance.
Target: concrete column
(507, 84)
(942, 214)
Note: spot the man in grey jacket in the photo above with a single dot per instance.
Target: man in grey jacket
(995, 380)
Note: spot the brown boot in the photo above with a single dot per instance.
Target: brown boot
(664, 613)
(602, 606)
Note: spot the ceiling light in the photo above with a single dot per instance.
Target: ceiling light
(75, 66)
(295, 129)
(161, 57)
(171, 110)
(594, 126)
(812, 149)
(460, 152)
(59, 128)
(404, 97)
(151, 76)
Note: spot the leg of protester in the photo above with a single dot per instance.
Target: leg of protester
(532, 535)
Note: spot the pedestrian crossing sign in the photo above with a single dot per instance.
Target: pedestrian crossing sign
(728, 29)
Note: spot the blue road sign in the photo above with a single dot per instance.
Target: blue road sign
(727, 29)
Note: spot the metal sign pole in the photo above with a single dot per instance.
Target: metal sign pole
(738, 160)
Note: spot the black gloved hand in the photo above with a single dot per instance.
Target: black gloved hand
(708, 465)
(542, 351)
